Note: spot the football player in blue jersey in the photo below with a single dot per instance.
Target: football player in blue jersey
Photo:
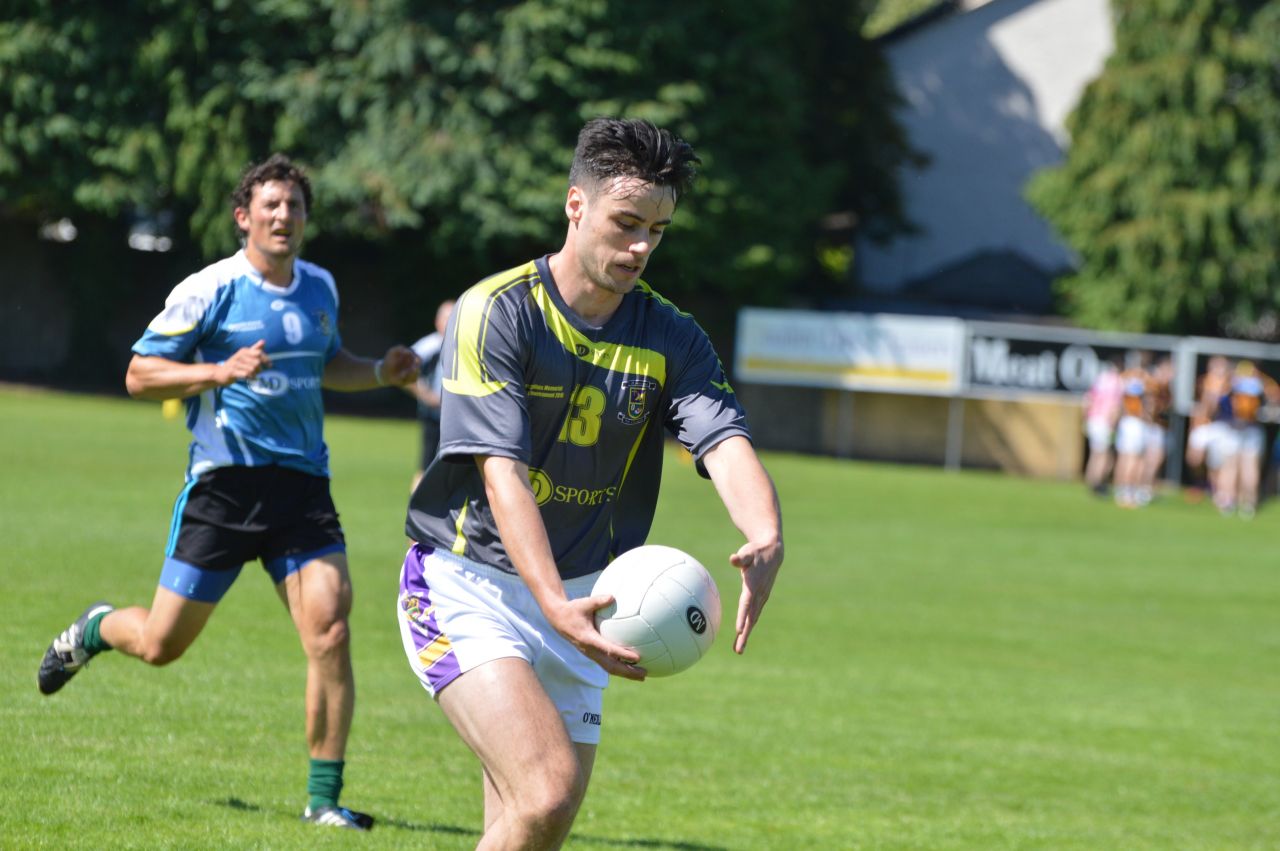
(562, 379)
(248, 343)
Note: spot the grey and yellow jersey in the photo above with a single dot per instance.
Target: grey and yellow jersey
(585, 408)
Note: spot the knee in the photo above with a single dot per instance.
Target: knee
(551, 809)
(329, 638)
(161, 653)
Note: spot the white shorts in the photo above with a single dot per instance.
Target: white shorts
(1099, 432)
(1251, 438)
(456, 614)
(1212, 439)
(1157, 438)
(1131, 436)
(1222, 441)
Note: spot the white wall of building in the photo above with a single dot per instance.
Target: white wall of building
(987, 93)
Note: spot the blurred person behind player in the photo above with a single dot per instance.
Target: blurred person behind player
(1241, 470)
(1131, 431)
(427, 389)
(1158, 400)
(248, 342)
(1209, 433)
(1101, 414)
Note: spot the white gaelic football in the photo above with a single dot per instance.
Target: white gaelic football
(666, 607)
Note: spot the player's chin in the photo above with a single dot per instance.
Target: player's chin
(624, 278)
(282, 249)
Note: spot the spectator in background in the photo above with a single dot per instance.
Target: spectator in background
(427, 388)
(1101, 413)
(1242, 466)
(1210, 434)
(1159, 403)
(1131, 432)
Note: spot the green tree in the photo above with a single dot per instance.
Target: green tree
(467, 121)
(1170, 193)
(443, 131)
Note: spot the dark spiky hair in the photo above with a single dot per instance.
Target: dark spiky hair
(275, 167)
(610, 148)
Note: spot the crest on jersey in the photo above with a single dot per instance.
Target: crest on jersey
(639, 391)
(323, 323)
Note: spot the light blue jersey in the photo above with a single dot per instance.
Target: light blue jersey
(278, 417)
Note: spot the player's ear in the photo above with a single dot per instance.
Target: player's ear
(575, 205)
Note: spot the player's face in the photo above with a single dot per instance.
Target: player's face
(275, 219)
(619, 226)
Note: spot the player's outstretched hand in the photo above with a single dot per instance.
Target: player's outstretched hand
(400, 366)
(759, 566)
(246, 363)
(575, 620)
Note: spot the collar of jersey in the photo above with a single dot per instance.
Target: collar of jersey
(267, 286)
(560, 320)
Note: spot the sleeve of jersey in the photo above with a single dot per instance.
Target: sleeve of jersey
(483, 409)
(704, 409)
(176, 330)
(335, 342)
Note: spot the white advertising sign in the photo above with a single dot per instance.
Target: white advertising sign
(854, 351)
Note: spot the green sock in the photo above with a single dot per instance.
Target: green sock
(324, 783)
(93, 640)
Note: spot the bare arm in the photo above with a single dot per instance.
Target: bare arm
(157, 378)
(749, 495)
(520, 526)
(346, 372)
(421, 390)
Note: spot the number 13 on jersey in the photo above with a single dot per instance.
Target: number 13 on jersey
(582, 426)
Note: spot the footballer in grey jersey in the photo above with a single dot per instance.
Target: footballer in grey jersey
(585, 408)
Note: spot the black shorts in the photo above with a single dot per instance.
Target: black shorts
(233, 515)
(430, 441)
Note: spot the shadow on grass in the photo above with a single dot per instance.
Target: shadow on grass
(245, 806)
(673, 845)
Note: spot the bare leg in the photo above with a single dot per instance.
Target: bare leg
(160, 634)
(1151, 466)
(1249, 474)
(1227, 483)
(1098, 467)
(319, 600)
(493, 808)
(1128, 474)
(535, 777)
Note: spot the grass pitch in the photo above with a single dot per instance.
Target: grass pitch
(950, 661)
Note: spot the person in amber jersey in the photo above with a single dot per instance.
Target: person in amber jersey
(1131, 432)
(1242, 467)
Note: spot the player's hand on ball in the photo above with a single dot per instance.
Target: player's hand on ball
(575, 620)
(759, 566)
(246, 363)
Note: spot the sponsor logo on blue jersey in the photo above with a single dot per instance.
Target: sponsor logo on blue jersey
(250, 325)
(273, 383)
